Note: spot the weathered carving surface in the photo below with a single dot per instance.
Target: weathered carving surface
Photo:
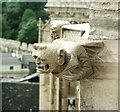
(65, 59)
(56, 28)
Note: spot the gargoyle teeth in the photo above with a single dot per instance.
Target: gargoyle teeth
(44, 68)
(42, 64)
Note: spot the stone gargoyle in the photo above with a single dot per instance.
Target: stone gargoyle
(64, 59)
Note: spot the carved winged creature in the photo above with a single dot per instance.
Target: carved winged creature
(67, 59)
(64, 59)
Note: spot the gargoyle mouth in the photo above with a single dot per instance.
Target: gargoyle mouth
(43, 68)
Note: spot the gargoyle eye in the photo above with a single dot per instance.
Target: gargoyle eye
(35, 56)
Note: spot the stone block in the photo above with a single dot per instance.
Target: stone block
(101, 33)
(104, 5)
(99, 94)
(104, 22)
(44, 92)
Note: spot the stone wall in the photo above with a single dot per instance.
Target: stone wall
(103, 20)
(101, 92)
(8, 45)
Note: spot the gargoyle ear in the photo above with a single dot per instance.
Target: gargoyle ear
(61, 56)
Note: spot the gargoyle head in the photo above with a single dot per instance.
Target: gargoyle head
(49, 57)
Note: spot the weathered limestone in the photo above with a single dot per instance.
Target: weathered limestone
(101, 15)
(44, 92)
(56, 28)
(102, 76)
(69, 10)
(103, 19)
(103, 79)
(64, 59)
(50, 59)
(75, 31)
(100, 92)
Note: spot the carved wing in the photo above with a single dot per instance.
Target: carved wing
(94, 49)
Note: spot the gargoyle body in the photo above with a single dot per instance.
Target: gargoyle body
(65, 59)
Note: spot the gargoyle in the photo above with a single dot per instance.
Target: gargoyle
(64, 59)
